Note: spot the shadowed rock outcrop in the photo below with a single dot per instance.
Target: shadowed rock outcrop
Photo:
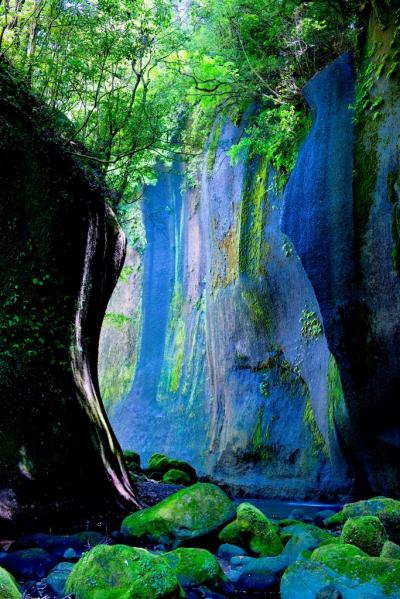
(61, 252)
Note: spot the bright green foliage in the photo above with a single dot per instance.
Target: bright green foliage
(311, 326)
(259, 533)
(104, 66)
(309, 420)
(115, 320)
(252, 221)
(195, 566)
(335, 392)
(176, 477)
(8, 586)
(121, 572)
(136, 84)
(263, 51)
(365, 532)
(190, 513)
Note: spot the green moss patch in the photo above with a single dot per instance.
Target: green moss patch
(121, 572)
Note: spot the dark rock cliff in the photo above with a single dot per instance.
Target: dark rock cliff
(61, 253)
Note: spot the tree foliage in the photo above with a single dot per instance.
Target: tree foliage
(133, 82)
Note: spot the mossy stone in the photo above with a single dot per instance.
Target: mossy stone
(195, 567)
(231, 534)
(326, 554)
(8, 586)
(384, 508)
(187, 514)
(161, 463)
(132, 460)
(176, 477)
(390, 550)
(365, 532)
(355, 565)
(121, 572)
(258, 531)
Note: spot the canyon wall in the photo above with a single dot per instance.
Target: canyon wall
(61, 253)
(274, 363)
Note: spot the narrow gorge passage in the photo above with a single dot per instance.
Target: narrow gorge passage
(200, 299)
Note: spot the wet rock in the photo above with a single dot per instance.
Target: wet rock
(240, 560)
(195, 567)
(356, 574)
(391, 550)
(231, 534)
(57, 578)
(227, 551)
(121, 571)
(384, 508)
(261, 574)
(324, 514)
(70, 554)
(258, 531)
(58, 544)
(188, 514)
(365, 532)
(301, 528)
(160, 463)
(176, 477)
(329, 592)
(307, 541)
(132, 460)
(29, 563)
(8, 586)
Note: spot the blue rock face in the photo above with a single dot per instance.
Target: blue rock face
(272, 362)
(318, 212)
(231, 375)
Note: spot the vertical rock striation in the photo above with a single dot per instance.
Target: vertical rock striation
(241, 383)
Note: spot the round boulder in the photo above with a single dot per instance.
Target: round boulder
(120, 571)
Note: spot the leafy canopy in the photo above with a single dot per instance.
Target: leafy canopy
(134, 82)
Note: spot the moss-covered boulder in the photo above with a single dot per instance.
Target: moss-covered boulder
(381, 575)
(365, 532)
(8, 586)
(258, 531)
(327, 554)
(195, 567)
(176, 477)
(390, 550)
(384, 508)
(345, 570)
(231, 534)
(187, 514)
(121, 572)
(132, 460)
(161, 463)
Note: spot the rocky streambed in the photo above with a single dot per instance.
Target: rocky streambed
(193, 541)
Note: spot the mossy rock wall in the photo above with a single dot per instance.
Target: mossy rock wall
(61, 252)
(233, 365)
